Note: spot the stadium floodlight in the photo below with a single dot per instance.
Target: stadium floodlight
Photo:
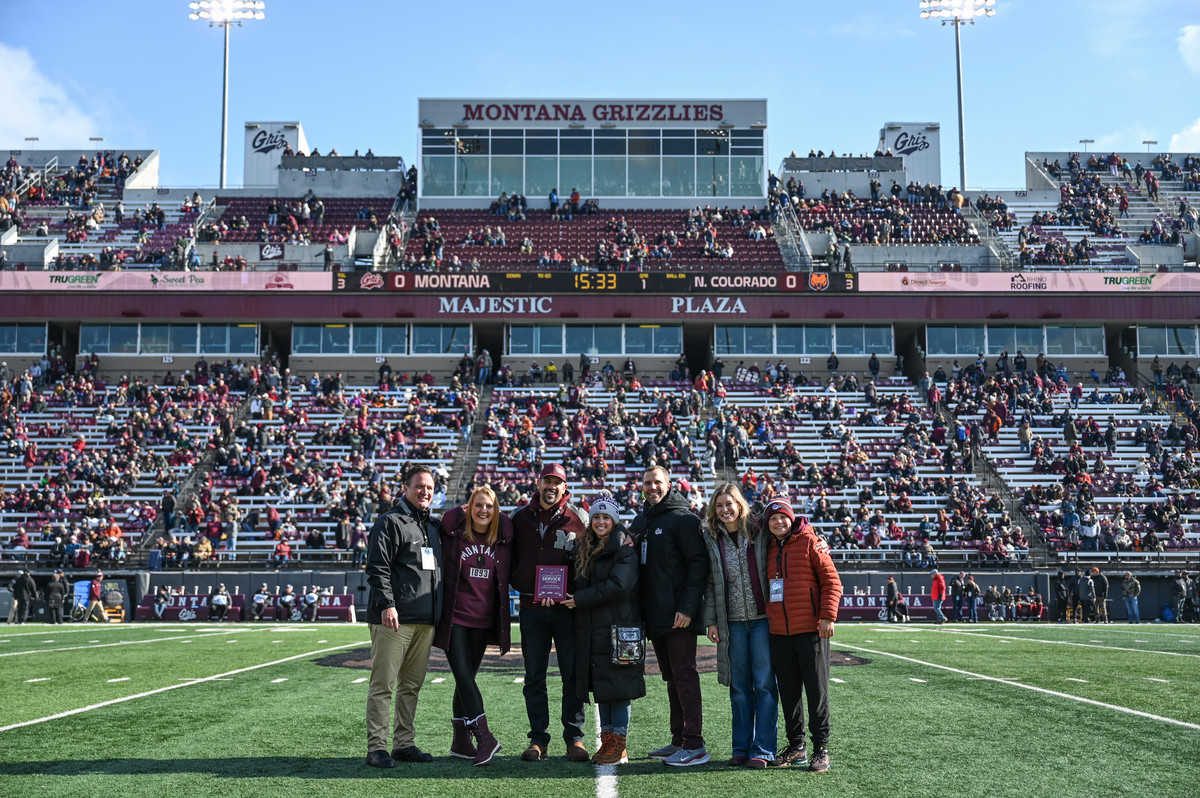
(224, 13)
(1148, 143)
(1086, 142)
(958, 13)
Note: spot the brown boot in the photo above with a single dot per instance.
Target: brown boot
(461, 746)
(613, 752)
(488, 746)
(605, 745)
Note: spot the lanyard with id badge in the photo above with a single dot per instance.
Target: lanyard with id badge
(776, 585)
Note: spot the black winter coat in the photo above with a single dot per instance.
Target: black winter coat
(56, 592)
(607, 596)
(394, 567)
(675, 571)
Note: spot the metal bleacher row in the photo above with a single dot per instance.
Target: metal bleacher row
(578, 238)
(440, 419)
(1127, 463)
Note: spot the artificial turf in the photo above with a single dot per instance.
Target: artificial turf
(247, 733)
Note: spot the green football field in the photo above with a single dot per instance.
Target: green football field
(232, 710)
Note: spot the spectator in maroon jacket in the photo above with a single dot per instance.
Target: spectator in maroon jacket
(544, 533)
(477, 561)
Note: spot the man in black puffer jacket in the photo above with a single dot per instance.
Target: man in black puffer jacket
(673, 576)
(404, 571)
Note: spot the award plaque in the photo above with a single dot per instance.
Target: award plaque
(550, 583)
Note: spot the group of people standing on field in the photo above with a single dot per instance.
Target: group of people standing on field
(764, 590)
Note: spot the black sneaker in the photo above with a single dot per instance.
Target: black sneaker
(411, 754)
(380, 759)
(820, 760)
(792, 756)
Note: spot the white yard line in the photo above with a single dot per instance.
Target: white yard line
(119, 679)
(1163, 681)
(914, 679)
(121, 643)
(360, 680)
(277, 681)
(439, 680)
(92, 629)
(1010, 683)
(1004, 639)
(1141, 629)
(217, 677)
(606, 775)
(1073, 679)
(835, 680)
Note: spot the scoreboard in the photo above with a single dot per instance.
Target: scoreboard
(599, 283)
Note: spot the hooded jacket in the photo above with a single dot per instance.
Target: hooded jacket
(674, 571)
(812, 589)
(605, 598)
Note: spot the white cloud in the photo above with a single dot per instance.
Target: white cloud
(36, 106)
(1189, 47)
(1187, 140)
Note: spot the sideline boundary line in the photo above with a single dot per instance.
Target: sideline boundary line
(1061, 643)
(1043, 690)
(189, 683)
(124, 643)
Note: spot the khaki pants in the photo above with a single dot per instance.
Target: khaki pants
(398, 664)
(96, 609)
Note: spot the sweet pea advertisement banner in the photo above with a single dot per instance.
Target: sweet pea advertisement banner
(165, 281)
(1028, 282)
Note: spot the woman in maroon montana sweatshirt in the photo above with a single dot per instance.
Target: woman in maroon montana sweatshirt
(477, 559)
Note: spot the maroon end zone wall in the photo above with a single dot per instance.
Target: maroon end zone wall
(381, 307)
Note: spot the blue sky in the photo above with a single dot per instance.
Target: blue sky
(1040, 75)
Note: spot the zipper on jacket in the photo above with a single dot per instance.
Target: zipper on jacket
(780, 567)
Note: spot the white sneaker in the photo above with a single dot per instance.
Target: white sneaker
(686, 757)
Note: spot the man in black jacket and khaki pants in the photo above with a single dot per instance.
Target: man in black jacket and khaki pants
(674, 573)
(404, 571)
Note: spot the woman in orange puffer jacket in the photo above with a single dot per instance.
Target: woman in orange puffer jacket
(805, 593)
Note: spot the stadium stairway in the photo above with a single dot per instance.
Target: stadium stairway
(465, 456)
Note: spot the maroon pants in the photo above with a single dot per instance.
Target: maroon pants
(676, 653)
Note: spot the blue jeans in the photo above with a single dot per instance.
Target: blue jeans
(972, 610)
(540, 626)
(937, 610)
(958, 608)
(1131, 609)
(614, 716)
(753, 695)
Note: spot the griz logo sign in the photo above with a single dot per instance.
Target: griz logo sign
(908, 144)
(265, 142)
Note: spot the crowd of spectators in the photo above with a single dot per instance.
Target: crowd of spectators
(912, 214)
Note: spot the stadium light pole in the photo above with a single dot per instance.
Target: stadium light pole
(1086, 142)
(1148, 143)
(958, 13)
(224, 13)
